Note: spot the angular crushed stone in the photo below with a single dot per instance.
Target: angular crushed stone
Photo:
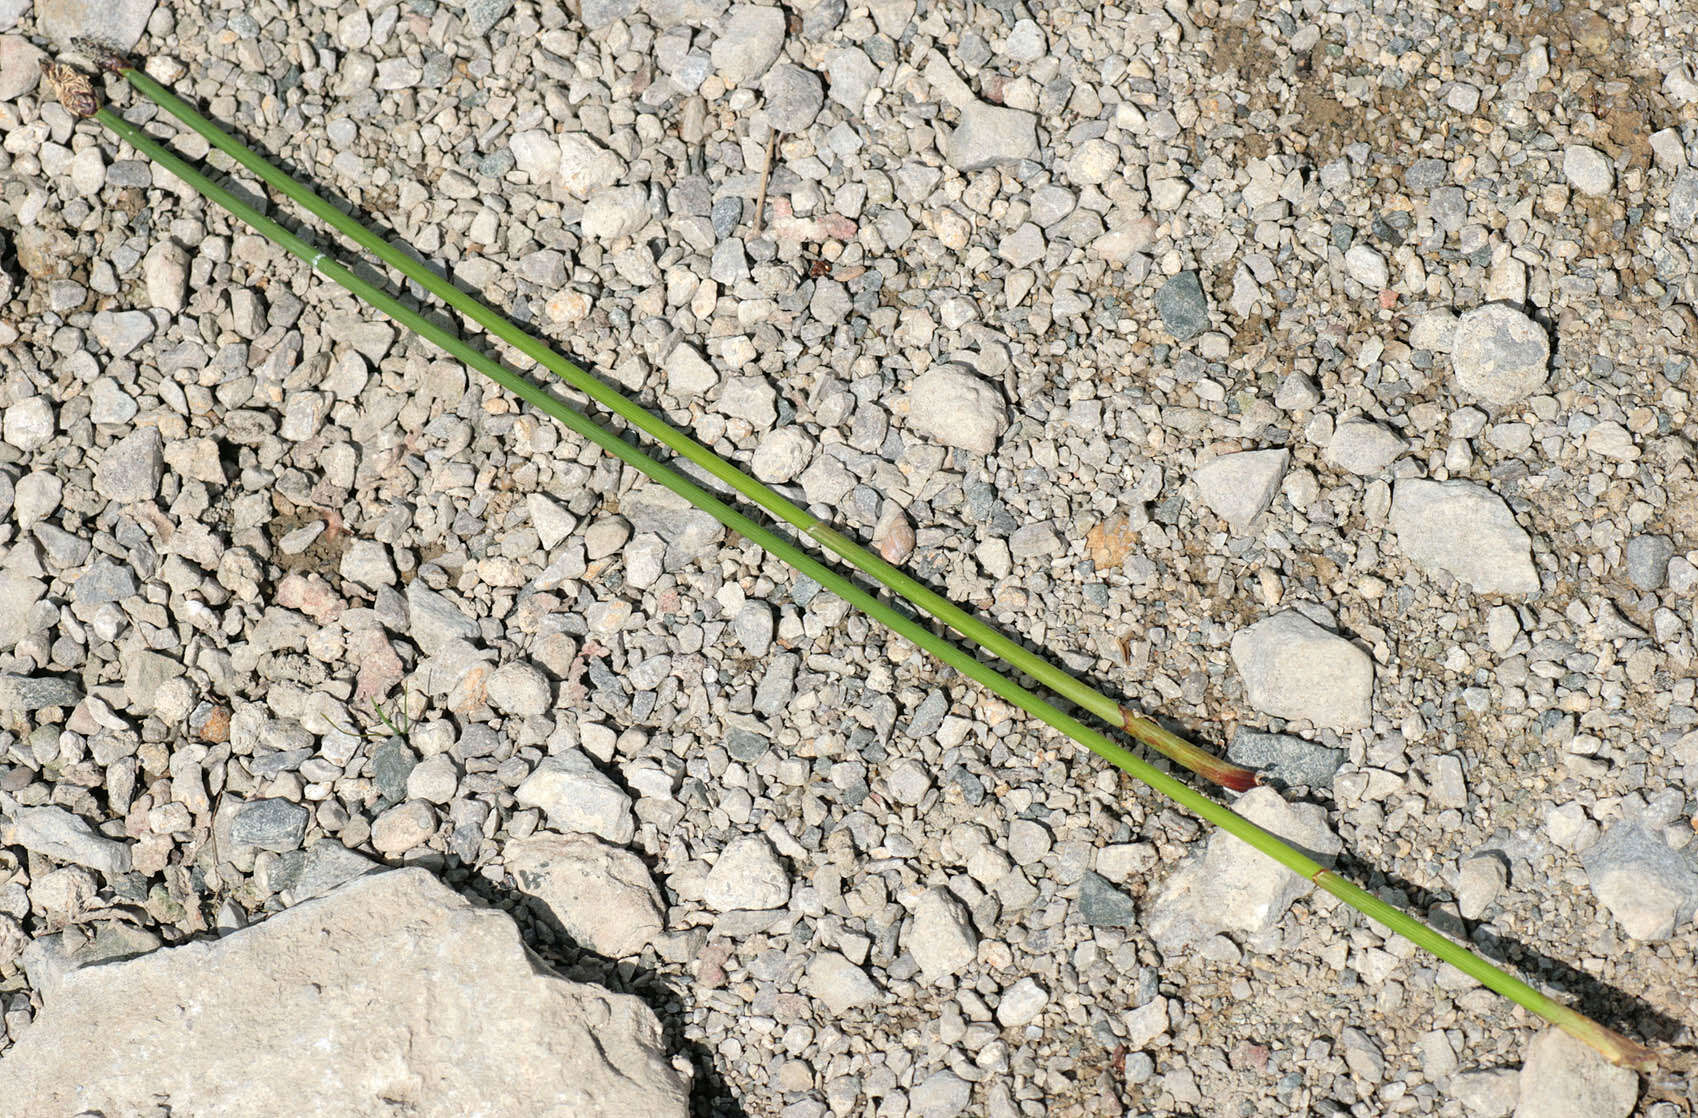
(1239, 487)
(1650, 888)
(1465, 530)
(1293, 668)
(1235, 888)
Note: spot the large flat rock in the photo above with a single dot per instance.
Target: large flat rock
(389, 995)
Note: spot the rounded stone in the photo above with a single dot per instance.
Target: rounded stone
(794, 97)
(520, 689)
(781, 456)
(29, 423)
(1367, 267)
(1588, 170)
(957, 408)
(1500, 355)
(1094, 163)
(403, 827)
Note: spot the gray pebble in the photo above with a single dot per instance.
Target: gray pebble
(853, 77)
(749, 43)
(838, 983)
(942, 1094)
(55, 833)
(24, 694)
(435, 779)
(729, 265)
(1683, 201)
(1424, 174)
(403, 827)
(1183, 307)
(1367, 267)
(120, 332)
(552, 522)
(520, 689)
(822, 17)
(726, 215)
(778, 685)
(1293, 668)
(1026, 42)
(1021, 1003)
(130, 172)
(29, 423)
(165, 271)
(1449, 207)
(1101, 905)
(747, 875)
(1478, 883)
(941, 937)
(1239, 487)
(956, 408)
(909, 781)
(1289, 760)
(746, 745)
(367, 563)
(268, 824)
(1465, 530)
(1648, 561)
(104, 581)
(1650, 888)
(391, 767)
(322, 867)
(577, 797)
(1562, 1077)
(616, 211)
(1363, 448)
(1588, 170)
(1028, 841)
(928, 716)
(688, 531)
(597, 14)
(753, 625)
(109, 403)
(20, 66)
(750, 399)
(603, 897)
(482, 15)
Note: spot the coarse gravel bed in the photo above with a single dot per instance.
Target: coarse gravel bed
(1028, 284)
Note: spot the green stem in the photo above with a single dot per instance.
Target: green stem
(1614, 1046)
(886, 574)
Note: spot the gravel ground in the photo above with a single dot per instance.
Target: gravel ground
(1318, 377)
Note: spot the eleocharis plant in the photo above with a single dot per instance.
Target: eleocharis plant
(1144, 729)
(1615, 1047)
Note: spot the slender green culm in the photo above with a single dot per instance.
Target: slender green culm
(1615, 1047)
(1144, 729)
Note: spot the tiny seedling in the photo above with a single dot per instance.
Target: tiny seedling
(395, 720)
